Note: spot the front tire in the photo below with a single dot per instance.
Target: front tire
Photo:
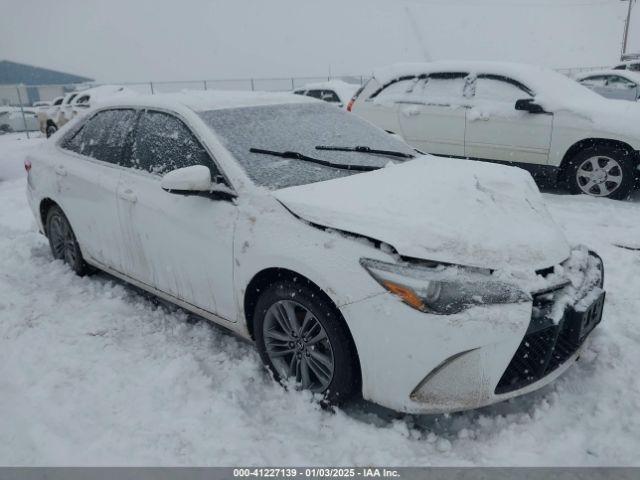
(301, 336)
(63, 242)
(602, 171)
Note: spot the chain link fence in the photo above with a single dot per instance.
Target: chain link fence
(27, 95)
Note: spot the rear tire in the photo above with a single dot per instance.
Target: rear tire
(301, 335)
(602, 171)
(63, 242)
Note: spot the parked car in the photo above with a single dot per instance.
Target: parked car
(42, 108)
(633, 65)
(75, 102)
(426, 284)
(333, 91)
(13, 120)
(614, 84)
(516, 114)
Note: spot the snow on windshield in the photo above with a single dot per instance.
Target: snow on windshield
(299, 128)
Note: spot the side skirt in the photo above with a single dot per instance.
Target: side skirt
(212, 317)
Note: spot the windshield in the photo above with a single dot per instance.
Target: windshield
(298, 127)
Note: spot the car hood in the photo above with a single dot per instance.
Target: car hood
(446, 210)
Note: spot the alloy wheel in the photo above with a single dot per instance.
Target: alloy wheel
(298, 346)
(599, 176)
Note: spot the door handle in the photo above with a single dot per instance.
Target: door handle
(60, 170)
(128, 195)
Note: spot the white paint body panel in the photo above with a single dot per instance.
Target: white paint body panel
(503, 134)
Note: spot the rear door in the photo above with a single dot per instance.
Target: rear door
(495, 130)
(88, 177)
(181, 245)
(432, 113)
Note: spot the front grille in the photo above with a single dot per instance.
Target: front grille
(547, 345)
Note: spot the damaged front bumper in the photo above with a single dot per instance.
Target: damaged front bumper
(489, 353)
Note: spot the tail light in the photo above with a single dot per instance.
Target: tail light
(353, 99)
(27, 165)
(350, 104)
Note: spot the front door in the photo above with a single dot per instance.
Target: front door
(181, 245)
(495, 130)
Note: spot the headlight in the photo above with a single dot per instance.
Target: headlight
(442, 290)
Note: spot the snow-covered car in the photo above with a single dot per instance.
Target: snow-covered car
(614, 84)
(337, 92)
(425, 284)
(521, 115)
(76, 102)
(633, 65)
(13, 120)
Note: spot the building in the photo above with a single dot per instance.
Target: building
(35, 83)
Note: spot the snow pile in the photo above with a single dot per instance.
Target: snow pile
(200, 101)
(93, 373)
(440, 209)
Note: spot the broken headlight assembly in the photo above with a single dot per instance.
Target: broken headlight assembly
(440, 289)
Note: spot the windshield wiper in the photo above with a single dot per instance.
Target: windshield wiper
(300, 156)
(363, 149)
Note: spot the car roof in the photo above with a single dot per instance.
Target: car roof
(539, 79)
(199, 101)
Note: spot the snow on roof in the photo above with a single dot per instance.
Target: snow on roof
(344, 90)
(210, 100)
(541, 80)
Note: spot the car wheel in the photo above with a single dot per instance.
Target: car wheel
(62, 240)
(602, 171)
(301, 336)
(51, 129)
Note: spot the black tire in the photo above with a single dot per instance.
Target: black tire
(345, 380)
(51, 129)
(623, 165)
(63, 242)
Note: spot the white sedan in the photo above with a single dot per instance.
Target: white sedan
(424, 284)
(614, 84)
(16, 119)
(516, 114)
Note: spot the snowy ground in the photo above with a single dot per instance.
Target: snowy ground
(93, 372)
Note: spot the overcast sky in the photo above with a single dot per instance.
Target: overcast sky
(140, 40)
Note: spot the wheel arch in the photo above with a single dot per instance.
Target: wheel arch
(266, 277)
(45, 205)
(588, 143)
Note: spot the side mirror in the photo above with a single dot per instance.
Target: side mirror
(194, 180)
(528, 105)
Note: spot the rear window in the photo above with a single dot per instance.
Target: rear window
(298, 127)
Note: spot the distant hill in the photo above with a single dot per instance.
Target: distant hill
(19, 73)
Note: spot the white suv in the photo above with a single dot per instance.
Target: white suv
(518, 114)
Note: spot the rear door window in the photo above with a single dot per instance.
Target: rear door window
(443, 88)
(163, 143)
(617, 82)
(598, 81)
(103, 136)
(398, 91)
